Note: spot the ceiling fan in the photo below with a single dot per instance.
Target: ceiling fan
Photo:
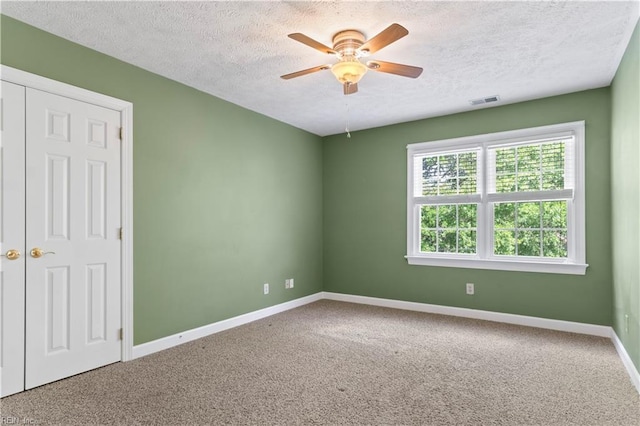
(349, 46)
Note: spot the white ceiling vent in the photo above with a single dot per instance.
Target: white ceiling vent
(486, 100)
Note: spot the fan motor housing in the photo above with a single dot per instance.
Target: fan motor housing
(347, 42)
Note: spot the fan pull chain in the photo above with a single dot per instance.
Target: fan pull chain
(346, 129)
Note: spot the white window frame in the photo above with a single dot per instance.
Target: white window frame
(484, 258)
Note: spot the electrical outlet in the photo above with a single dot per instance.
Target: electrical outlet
(471, 288)
(288, 283)
(265, 288)
(626, 323)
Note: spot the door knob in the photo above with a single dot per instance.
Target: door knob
(37, 252)
(11, 254)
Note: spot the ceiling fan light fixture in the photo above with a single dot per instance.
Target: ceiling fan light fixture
(350, 71)
(348, 47)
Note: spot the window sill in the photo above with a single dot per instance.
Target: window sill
(500, 265)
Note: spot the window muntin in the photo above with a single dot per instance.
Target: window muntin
(539, 176)
(445, 183)
(448, 228)
(530, 167)
(533, 229)
(525, 189)
(448, 173)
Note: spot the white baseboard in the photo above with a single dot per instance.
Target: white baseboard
(550, 324)
(206, 330)
(568, 326)
(572, 327)
(626, 360)
(216, 327)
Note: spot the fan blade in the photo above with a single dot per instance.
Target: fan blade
(398, 69)
(312, 43)
(350, 88)
(305, 72)
(393, 32)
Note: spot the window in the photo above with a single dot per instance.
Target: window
(511, 200)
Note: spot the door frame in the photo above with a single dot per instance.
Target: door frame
(125, 108)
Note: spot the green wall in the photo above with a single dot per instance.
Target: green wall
(224, 199)
(625, 201)
(365, 216)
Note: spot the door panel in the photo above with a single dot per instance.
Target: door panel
(12, 275)
(96, 301)
(57, 195)
(73, 216)
(57, 309)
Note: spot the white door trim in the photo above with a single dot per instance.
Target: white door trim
(125, 108)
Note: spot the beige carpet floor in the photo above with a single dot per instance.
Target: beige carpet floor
(332, 363)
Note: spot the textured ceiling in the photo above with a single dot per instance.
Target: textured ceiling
(238, 50)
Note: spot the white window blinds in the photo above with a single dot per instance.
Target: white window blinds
(541, 170)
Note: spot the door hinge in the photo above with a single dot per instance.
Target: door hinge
(120, 132)
(120, 232)
(120, 334)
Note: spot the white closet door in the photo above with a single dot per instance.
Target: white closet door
(12, 216)
(73, 216)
